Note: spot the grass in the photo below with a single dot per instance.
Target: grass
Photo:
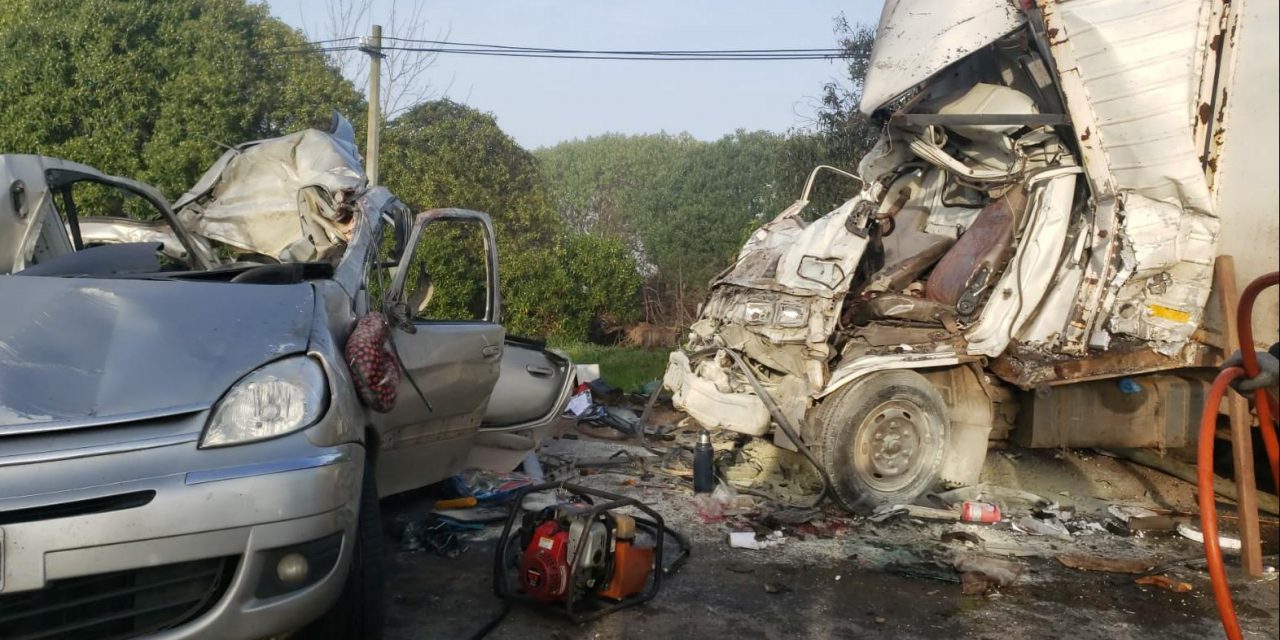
(623, 367)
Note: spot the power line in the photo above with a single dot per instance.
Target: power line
(508, 51)
(662, 51)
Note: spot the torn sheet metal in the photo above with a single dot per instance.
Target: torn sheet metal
(1134, 74)
(279, 197)
(918, 38)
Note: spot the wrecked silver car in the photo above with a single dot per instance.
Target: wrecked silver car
(184, 448)
(1036, 221)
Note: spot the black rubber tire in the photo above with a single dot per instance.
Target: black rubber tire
(358, 612)
(841, 417)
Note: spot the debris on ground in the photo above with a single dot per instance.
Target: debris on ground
(749, 540)
(490, 486)
(978, 574)
(442, 536)
(1165, 582)
(1190, 532)
(1105, 564)
(1042, 527)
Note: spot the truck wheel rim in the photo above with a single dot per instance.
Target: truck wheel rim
(890, 444)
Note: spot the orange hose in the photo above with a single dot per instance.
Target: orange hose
(1264, 402)
(1208, 508)
(1265, 405)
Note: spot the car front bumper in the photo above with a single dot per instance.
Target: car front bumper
(248, 505)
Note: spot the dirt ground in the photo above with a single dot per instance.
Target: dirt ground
(844, 577)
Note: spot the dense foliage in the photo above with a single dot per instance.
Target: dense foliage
(554, 281)
(151, 90)
(685, 207)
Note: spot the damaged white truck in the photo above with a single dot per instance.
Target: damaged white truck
(1030, 255)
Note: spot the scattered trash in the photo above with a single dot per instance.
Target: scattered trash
(1055, 511)
(1125, 512)
(491, 486)
(719, 503)
(1108, 565)
(971, 511)
(962, 536)
(580, 403)
(923, 570)
(1191, 533)
(1164, 582)
(880, 620)
(1037, 527)
(749, 540)
(886, 512)
(457, 503)
(979, 573)
(442, 536)
(775, 587)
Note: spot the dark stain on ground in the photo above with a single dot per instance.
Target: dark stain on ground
(433, 597)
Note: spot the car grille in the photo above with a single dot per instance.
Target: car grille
(124, 604)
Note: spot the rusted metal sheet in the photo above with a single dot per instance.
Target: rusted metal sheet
(1029, 370)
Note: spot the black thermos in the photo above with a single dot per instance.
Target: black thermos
(704, 475)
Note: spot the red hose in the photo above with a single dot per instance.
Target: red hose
(1265, 405)
(1208, 509)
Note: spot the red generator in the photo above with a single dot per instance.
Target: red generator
(589, 558)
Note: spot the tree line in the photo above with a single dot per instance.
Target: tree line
(613, 228)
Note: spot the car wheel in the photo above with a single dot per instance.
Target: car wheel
(883, 438)
(358, 613)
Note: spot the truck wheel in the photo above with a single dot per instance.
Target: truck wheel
(358, 612)
(883, 438)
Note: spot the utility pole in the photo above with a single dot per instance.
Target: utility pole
(373, 47)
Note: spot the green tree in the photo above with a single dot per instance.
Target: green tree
(554, 280)
(151, 90)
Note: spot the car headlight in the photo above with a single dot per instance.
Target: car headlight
(789, 316)
(756, 312)
(278, 398)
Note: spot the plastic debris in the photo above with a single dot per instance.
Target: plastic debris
(581, 402)
(491, 486)
(716, 505)
(1191, 533)
(749, 540)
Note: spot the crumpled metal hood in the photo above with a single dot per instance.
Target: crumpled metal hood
(256, 197)
(918, 38)
(85, 351)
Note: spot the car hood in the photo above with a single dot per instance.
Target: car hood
(79, 351)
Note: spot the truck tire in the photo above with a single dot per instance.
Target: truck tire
(358, 612)
(882, 439)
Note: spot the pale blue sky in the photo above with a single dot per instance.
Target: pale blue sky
(542, 102)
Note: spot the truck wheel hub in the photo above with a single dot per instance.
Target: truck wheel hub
(885, 448)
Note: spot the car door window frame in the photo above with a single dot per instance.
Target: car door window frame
(493, 301)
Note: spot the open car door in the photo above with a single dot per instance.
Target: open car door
(444, 307)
